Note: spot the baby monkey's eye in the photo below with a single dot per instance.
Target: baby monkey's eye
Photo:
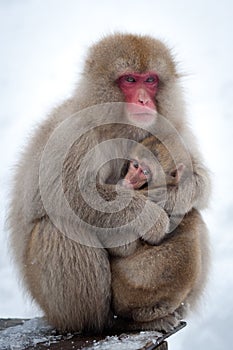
(146, 172)
(135, 164)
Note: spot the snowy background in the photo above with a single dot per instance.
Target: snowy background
(43, 45)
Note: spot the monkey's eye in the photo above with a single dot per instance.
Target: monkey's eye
(150, 80)
(146, 172)
(135, 164)
(130, 79)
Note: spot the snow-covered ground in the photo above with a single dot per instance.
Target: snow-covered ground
(43, 44)
(36, 330)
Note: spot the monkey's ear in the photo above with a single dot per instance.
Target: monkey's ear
(177, 173)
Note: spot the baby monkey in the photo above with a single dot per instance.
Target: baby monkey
(144, 170)
(147, 172)
(153, 170)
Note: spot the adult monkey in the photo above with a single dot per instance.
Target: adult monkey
(70, 281)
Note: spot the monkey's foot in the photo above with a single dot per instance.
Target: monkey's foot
(165, 324)
(182, 310)
(149, 314)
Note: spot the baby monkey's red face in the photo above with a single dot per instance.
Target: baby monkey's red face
(138, 175)
(142, 172)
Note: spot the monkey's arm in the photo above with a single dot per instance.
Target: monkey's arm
(192, 192)
(126, 216)
(195, 190)
(202, 185)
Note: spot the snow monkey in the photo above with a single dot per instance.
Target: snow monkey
(153, 303)
(143, 170)
(50, 214)
(156, 166)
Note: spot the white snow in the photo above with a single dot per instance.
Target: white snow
(30, 333)
(35, 331)
(43, 44)
(127, 342)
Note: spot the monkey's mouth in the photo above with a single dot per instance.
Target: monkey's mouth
(132, 184)
(129, 184)
(143, 117)
(141, 114)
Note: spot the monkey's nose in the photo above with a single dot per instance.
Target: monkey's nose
(143, 97)
(141, 101)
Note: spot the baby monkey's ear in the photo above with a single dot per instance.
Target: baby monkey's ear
(175, 174)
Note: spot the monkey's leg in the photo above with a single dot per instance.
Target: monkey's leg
(70, 281)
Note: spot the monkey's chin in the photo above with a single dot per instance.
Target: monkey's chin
(126, 184)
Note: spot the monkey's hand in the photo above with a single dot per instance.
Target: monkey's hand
(138, 217)
(157, 195)
(126, 249)
(192, 192)
(161, 226)
(175, 199)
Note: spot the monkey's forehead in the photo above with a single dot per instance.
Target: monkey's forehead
(122, 53)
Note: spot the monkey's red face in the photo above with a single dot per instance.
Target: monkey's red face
(140, 91)
(138, 174)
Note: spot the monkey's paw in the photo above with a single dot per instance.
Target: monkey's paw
(149, 314)
(160, 228)
(165, 324)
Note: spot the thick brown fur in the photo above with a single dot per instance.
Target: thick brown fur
(162, 296)
(166, 153)
(70, 281)
(168, 278)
